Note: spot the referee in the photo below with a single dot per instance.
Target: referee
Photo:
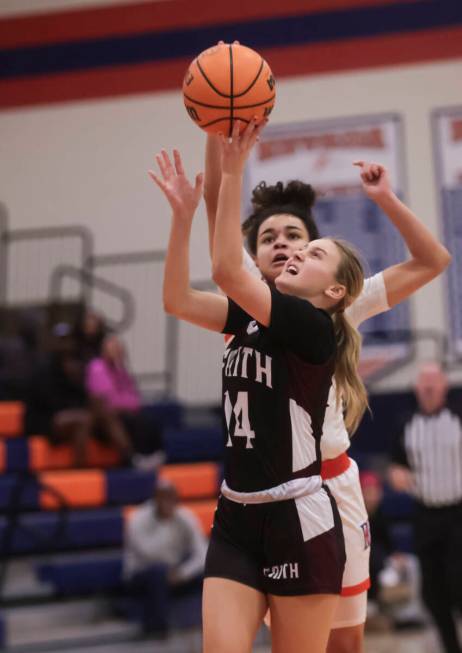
(427, 462)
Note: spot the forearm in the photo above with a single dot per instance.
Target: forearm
(227, 248)
(425, 249)
(176, 284)
(212, 183)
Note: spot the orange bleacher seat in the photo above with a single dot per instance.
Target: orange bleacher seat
(44, 456)
(11, 418)
(194, 480)
(101, 456)
(78, 488)
(204, 511)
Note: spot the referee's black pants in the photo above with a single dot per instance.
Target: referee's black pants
(438, 542)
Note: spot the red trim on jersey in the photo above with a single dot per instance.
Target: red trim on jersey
(354, 590)
(335, 466)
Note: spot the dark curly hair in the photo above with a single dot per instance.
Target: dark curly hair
(295, 198)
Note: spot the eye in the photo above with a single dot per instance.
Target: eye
(266, 240)
(294, 236)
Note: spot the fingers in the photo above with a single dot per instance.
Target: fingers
(178, 162)
(370, 172)
(164, 163)
(157, 181)
(199, 182)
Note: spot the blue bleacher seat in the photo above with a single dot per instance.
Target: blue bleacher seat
(191, 444)
(18, 491)
(58, 531)
(17, 455)
(127, 486)
(81, 576)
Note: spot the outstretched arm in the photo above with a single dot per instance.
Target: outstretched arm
(212, 183)
(428, 256)
(205, 309)
(229, 271)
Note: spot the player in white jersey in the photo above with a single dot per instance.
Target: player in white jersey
(272, 238)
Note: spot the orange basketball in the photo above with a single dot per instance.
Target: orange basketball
(225, 83)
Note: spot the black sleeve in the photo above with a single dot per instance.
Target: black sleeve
(398, 454)
(237, 319)
(305, 330)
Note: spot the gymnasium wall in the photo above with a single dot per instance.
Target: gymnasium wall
(84, 161)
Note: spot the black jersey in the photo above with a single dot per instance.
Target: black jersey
(276, 381)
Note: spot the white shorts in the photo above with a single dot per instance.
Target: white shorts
(346, 490)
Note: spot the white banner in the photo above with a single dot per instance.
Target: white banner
(322, 154)
(447, 129)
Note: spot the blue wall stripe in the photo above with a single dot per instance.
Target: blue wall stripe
(293, 30)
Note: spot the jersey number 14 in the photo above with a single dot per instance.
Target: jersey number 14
(240, 410)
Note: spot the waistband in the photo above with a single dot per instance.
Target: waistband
(335, 466)
(294, 489)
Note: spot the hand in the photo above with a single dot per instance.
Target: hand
(400, 478)
(375, 179)
(235, 151)
(181, 195)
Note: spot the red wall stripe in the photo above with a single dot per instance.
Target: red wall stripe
(157, 16)
(288, 61)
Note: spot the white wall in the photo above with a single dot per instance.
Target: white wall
(86, 163)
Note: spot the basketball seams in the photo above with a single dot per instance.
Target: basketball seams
(231, 89)
(205, 77)
(226, 106)
(226, 95)
(212, 86)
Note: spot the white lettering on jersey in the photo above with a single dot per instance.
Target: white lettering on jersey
(284, 571)
(241, 414)
(236, 363)
(263, 370)
(252, 327)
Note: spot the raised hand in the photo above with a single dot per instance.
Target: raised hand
(375, 179)
(182, 196)
(235, 150)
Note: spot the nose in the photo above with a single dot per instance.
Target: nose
(300, 254)
(280, 242)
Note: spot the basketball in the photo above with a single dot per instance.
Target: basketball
(225, 83)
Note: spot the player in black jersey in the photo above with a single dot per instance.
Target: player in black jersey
(277, 536)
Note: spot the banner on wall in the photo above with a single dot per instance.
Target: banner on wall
(447, 129)
(322, 153)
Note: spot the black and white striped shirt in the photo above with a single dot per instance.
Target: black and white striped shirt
(431, 447)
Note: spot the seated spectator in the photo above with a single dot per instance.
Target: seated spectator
(88, 334)
(164, 553)
(109, 380)
(58, 407)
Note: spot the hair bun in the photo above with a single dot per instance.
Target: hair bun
(295, 193)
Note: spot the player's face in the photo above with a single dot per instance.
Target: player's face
(311, 273)
(279, 237)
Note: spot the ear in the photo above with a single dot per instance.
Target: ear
(336, 292)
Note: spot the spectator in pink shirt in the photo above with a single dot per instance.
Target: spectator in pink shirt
(109, 380)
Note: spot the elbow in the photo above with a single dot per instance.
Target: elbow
(170, 306)
(445, 259)
(221, 275)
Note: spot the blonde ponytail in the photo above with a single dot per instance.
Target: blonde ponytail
(351, 393)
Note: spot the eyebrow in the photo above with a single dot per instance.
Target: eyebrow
(271, 230)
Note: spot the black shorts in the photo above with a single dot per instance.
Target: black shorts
(287, 548)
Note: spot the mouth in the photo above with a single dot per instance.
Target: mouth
(279, 260)
(291, 268)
